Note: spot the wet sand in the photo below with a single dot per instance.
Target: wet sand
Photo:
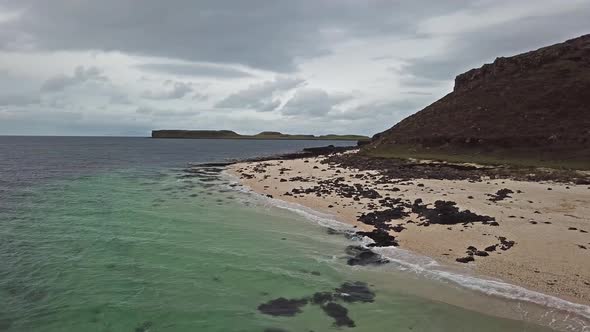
(539, 236)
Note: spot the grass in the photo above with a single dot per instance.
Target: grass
(516, 158)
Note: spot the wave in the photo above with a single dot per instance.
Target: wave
(427, 267)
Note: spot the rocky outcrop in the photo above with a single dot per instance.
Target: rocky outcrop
(537, 101)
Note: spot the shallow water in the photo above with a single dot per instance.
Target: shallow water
(134, 248)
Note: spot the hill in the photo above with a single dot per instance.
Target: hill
(532, 108)
(265, 135)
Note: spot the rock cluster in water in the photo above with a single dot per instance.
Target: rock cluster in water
(348, 292)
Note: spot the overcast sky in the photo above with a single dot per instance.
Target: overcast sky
(125, 67)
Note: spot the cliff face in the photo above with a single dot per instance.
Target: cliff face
(539, 100)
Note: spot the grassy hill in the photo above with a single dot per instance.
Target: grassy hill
(529, 109)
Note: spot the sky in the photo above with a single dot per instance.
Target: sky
(125, 67)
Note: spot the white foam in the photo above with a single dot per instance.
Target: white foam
(430, 268)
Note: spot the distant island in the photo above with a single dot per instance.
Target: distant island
(265, 135)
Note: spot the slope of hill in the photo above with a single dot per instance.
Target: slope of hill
(532, 108)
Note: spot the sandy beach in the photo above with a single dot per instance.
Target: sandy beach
(537, 234)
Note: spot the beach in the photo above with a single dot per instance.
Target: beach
(533, 234)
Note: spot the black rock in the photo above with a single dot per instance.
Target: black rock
(491, 248)
(501, 194)
(363, 256)
(381, 238)
(445, 212)
(466, 259)
(355, 292)
(321, 297)
(339, 313)
(282, 307)
(144, 327)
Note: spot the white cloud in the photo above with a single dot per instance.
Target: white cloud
(81, 75)
(262, 97)
(178, 90)
(313, 102)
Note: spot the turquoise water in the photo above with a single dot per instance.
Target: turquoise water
(131, 250)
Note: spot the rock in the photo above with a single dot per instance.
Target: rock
(321, 297)
(339, 313)
(144, 327)
(357, 291)
(282, 307)
(466, 259)
(491, 248)
(381, 238)
(501, 194)
(445, 212)
(363, 256)
(505, 244)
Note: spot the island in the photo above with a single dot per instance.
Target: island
(265, 135)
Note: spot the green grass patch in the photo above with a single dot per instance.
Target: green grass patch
(515, 157)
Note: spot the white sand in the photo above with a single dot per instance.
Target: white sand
(547, 256)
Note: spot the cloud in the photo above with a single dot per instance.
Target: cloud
(313, 102)
(487, 37)
(81, 75)
(19, 99)
(119, 98)
(275, 35)
(264, 64)
(260, 96)
(158, 112)
(198, 70)
(178, 90)
(388, 110)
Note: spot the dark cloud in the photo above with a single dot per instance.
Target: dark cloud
(198, 70)
(267, 34)
(81, 75)
(313, 102)
(260, 96)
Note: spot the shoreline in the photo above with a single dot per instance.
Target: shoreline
(525, 264)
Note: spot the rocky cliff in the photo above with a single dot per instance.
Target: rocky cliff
(537, 102)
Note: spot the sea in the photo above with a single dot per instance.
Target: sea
(113, 234)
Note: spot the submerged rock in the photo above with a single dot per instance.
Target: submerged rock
(339, 313)
(357, 291)
(144, 327)
(282, 307)
(321, 297)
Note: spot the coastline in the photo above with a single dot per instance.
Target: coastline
(547, 255)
